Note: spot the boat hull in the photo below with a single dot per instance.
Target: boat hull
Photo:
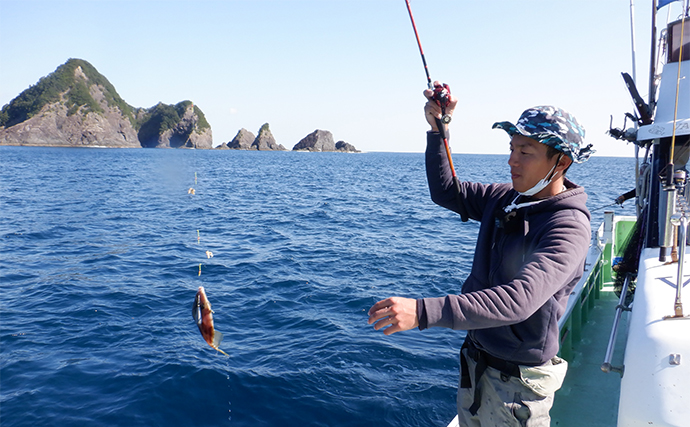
(656, 383)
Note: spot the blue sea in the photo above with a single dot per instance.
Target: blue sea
(102, 252)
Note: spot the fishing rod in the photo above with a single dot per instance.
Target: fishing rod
(442, 97)
(606, 206)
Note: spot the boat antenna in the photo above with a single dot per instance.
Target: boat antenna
(652, 60)
(442, 98)
(634, 78)
(632, 39)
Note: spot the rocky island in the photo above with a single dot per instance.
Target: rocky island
(76, 106)
(322, 140)
(245, 140)
(319, 140)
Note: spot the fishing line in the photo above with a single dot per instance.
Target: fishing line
(604, 207)
(442, 97)
(680, 61)
(209, 255)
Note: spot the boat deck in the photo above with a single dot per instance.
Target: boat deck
(589, 397)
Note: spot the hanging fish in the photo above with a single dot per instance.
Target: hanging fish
(203, 315)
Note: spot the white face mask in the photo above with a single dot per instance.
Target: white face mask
(544, 182)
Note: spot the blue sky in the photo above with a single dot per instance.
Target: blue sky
(348, 66)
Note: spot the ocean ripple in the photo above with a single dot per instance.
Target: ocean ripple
(102, 251)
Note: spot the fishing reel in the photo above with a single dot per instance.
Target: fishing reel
(442, 97)
(680, 179)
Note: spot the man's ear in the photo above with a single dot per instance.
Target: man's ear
(564, 163)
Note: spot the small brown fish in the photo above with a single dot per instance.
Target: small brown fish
(203, 315)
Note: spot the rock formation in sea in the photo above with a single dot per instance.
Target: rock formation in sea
(319, 140)
(265, 140)
(322, 140)
(175, 126)
(245, 140)
(242, 141)
(76, 106)
(347, 147)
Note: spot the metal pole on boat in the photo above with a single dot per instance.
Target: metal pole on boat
(678, 304)
(652, 61)
(632, 40)
(681, 220)
(611, 348)
(634, 76)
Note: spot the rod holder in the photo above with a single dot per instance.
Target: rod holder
(679, 220)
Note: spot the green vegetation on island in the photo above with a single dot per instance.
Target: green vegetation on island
(68, 107)
(162, 117)
(62, 83)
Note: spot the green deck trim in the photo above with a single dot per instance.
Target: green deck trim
(589, 397)
(622, 230)
(607, 257)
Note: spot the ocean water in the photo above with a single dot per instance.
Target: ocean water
(102, 251)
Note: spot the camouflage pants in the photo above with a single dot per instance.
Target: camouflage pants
(505, 401)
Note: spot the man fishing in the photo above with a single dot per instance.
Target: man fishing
(530, 253)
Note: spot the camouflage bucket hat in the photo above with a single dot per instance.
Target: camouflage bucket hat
(553, 127)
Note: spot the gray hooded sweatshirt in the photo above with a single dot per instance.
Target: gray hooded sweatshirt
(526, 264)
